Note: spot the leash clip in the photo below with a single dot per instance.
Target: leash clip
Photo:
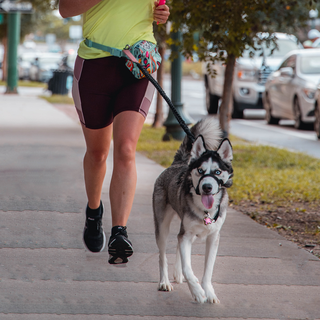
(207, 219)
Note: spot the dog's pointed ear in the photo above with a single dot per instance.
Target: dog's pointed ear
(198, 148)
(225, 150)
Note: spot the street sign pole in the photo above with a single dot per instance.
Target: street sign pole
(173, 129)
(13, 9)
(13, 42)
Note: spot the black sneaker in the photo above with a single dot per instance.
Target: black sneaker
(93, 235)
(119, 246)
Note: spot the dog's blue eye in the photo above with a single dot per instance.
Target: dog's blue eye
(217, 172)
(200, 171)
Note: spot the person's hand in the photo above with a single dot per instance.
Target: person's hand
(160, 13)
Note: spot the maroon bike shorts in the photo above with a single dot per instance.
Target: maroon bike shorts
(104, 87)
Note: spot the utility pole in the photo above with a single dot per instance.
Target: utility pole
(14, 19)
(13, 9)
(173, 128)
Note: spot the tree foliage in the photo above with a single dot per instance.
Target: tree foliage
(231, 26)
(29, 21)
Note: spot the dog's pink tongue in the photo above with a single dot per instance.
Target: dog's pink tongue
(207, 200)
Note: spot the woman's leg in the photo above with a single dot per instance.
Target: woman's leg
(127, 127)
(94, 163)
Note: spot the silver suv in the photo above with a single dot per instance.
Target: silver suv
(250, 76)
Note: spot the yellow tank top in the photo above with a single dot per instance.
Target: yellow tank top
(116, 23)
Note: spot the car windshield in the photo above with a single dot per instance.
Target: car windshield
(27, 58)
(310, 65)
(71, 60)
(284, 46)
(49, 60)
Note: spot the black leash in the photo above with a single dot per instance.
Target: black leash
(166, 98)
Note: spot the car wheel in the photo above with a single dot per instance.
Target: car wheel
(317, 121)
(237, 113)
(212, 101)
(298, 124)
(269, 117)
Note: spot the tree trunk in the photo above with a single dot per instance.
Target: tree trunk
(158, 117)
(4, 61)
(227, 97)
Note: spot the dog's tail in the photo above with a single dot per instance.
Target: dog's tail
(211, 132)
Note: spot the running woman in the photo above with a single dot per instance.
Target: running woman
(110, 101)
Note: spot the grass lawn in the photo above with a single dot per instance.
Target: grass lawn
(58, 99)
(188, 68)
(25, 83)
(262, 174)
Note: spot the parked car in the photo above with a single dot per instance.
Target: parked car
(29, 44)
(43, 66)
(70, 58)
(250, 76)
(290, 91)
(25, 60)
(316, 43)
(317, 112)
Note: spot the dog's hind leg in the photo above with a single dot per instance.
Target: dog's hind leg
(161, 238)
(177, 273)
(185, 243)
(212, 244)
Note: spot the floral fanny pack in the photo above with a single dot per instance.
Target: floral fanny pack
(143, 52)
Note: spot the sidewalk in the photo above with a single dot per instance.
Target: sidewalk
(46, 274)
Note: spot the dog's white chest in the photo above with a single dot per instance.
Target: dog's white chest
(201, 231)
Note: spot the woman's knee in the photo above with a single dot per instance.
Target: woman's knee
(97, 156)
(125, 152)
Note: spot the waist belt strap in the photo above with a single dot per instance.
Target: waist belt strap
(114, 51)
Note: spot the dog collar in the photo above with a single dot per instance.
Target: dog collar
(208, 220)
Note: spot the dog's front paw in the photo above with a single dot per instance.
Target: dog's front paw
(199, 296)
(197, 292)
(210, 294)
(212, 298)
(178, 276)
(165, 286)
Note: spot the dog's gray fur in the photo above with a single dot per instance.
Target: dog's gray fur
(193, 186)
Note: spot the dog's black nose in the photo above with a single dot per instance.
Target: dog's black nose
(207, 188)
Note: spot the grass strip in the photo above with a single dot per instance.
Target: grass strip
(262, 174)
(26, 83)
(58, 99)
(151, 145)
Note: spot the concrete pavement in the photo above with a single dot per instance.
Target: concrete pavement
(47, 274)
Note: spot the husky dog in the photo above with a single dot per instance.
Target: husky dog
(194, 187)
